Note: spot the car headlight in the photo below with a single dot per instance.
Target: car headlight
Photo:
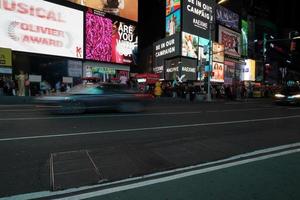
(296, 96)
(279, 96)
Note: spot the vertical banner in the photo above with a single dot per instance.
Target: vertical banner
(245, 33)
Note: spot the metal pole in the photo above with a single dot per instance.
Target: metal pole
(210, 61)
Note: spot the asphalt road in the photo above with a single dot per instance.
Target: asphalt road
(42, 152)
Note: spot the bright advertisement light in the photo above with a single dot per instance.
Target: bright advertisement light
(189, 45)
(218, 72)
(110, 41)
(248, 71)
(173, 23)
(171, 6)
(124, 8)
(42, 27)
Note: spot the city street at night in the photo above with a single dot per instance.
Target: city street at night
(41, 152)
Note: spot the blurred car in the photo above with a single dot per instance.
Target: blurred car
(90, 96)
(288, 96)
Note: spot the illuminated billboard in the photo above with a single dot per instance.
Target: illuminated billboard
(173, 23)
(248, 70)
(189, 45)
(218, 52)
(42, 27)
(218, 72)
(124, 8)
(227, 18)
(171, 6)
(203, 55)
(231, 41)
(245, 33)
(166, 48)
(197, 16)
(109, 40)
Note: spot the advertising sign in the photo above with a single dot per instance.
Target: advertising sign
(231, 41)
(124, 8)
(229, 72)
(5, 57)
(218, 52)
(173, 23)
(42, 27)
(172, 69)
(110, 41)
(227, 18)
(166, 48)
(35, 78)
(67, 80)
(248, 71)
(197, 15)
(203, 55)
(171, 6)
(188, 68)
(218, 72)
(189, 45)
(74, 68)
(245, 32)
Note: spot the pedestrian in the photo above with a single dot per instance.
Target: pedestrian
(21, 78)
(157, 89)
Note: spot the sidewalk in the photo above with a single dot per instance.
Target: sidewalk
(15, 100)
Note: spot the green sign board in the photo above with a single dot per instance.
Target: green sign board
(245, 32)
(5, 57)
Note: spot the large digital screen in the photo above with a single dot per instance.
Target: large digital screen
(173, 23)
(197, 15)
(188, 69)
(38, 26)
(227, 18)
(189, 45)
(110, 40)
(203, 55)
(124, 8)
(231, 41)
(171, 6)
(165, 48)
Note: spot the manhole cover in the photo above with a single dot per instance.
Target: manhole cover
(72, 169)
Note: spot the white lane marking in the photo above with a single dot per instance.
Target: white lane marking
(72, 190)
(131, 115)
(178, 176)
(147, 128)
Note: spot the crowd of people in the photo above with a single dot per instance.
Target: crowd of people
(220, 91)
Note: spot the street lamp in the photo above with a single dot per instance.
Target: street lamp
(211, 21)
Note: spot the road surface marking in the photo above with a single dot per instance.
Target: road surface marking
(45, 194)
(132, 115)
(178, 176)
(146, 128)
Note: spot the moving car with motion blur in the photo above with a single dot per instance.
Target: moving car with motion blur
(289, 95)
(93, 96)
